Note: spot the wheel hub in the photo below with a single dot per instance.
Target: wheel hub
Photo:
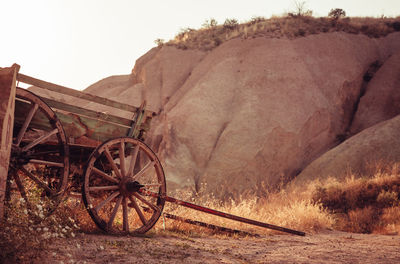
(129, 186)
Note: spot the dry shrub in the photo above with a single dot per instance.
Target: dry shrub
(362, 220)
(390, 219)
(364, 205)
(25, 233)
(285, 209)
(207, 38)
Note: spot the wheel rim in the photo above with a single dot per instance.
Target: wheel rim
(115, 173)
(39, 163)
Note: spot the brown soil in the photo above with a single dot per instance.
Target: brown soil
(326, 247)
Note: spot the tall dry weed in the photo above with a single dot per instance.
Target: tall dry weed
(366, 204)
(291, 210)
(207, 38)
(25, 234)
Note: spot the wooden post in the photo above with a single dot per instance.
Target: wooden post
(7, 104)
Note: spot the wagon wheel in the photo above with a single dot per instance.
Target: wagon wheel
(39, 165)
(115, 173)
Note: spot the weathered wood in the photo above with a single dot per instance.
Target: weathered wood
(78, 94)
(7, 98)
(75, 126)
(56, 105)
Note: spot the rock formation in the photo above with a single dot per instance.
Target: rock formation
(379, 143)
(254, 112)
(381, 100)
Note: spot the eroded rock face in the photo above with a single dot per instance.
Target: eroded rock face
(256, 112)
(354, 156)
(252, 113)
(382, 98)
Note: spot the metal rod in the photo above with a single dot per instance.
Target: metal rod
(221, 214)
(209, 226)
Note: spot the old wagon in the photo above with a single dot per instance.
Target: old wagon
(59, 149)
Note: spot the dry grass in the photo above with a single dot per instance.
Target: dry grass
(24, 234)
(289, 210)
(364, 205)
(291, 26)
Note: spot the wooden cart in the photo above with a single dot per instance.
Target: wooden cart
(59, 148)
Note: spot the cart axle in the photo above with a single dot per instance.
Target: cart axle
(221, 214)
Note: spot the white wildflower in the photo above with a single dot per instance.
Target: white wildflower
(25, 211)
(72, 234)
(64, 230)
(101, 247)
(45, 229)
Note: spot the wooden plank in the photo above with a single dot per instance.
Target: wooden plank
(78, 94)
(7, 98)
(87, 112)
(75, 126)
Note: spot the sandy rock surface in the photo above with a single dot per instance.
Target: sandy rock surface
(369, 147)
(381, 100)
(329, 247)
(252, 113)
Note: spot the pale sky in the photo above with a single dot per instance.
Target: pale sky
(78, 42)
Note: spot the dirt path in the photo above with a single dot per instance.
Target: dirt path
(329, 247)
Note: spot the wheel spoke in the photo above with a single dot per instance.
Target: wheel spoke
(125, 215)
(117, 202)
(103, 188)
(122, 158)
(104, 202)
(21, 189)
(140, 213)
(152, 185)
(144, 169)
(48, 163)
(37, 180)
(111, 161)
(40, 140)
(104, 175)
(27, 121)
(155, 208)
(133, 160)
(40, 153)
(114, 212)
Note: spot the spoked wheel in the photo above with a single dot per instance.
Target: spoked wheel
(39, 164)
(116, 173)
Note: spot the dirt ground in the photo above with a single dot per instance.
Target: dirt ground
(327, 247)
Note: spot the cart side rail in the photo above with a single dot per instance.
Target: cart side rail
(78, 94)
(79, 121)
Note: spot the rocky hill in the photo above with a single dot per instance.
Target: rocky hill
(253, 113)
